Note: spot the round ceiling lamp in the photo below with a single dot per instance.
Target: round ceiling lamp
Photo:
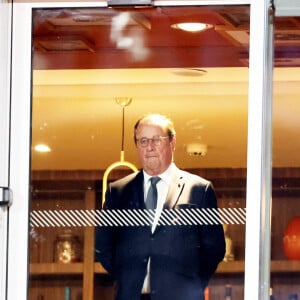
(42, 148)
(192, 26)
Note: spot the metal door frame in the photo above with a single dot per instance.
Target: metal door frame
(5, 76)
(259, 153)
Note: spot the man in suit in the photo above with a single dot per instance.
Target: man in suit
(160, 262)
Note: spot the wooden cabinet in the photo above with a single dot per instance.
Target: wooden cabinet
(87, 278)
(227, 273)
(78, 276)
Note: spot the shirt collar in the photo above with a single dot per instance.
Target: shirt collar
(165, 176)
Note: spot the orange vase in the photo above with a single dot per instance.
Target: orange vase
(291, 239)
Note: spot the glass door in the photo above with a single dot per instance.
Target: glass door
(285, 236)
(88, 65)
(85, 62)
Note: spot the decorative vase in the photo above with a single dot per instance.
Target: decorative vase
(291, 239)
(67, 248)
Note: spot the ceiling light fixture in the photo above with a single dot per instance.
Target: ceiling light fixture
(192, 26)
(42, 148)
(123, 102)
(196, 149)
(192, 72)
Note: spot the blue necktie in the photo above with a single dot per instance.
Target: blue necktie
(151, 199)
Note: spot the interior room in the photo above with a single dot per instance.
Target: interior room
(95, 71)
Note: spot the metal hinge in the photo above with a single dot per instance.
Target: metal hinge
(6, 196)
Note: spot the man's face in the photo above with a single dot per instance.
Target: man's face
(154, 158)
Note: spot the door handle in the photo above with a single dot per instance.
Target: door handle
(6, 196)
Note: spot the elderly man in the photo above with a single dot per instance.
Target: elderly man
(159, 262)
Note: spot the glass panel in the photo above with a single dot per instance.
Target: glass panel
(285, 255)
(95, 72)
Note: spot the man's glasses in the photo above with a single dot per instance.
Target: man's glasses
(156, 141)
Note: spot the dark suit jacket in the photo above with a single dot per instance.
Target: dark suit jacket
(183, 257)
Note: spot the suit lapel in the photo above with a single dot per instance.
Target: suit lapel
(175, 190)
(135, 194)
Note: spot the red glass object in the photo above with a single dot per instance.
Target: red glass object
(291, 239)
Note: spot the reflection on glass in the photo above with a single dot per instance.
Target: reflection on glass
(83, 58)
